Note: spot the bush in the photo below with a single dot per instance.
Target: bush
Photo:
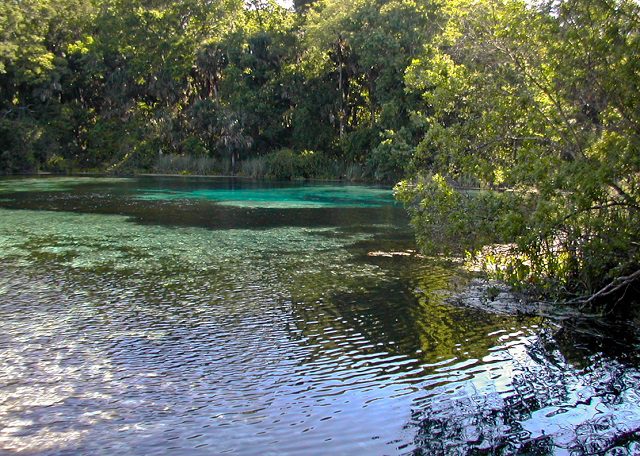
(57, 164)
(356, 145)
(193, 146)
(284, 164)
(16, 145)
(316, 165)
(106, 140)
(388, 162)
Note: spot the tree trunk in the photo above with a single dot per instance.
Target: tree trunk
(233, 163)
(372, 104)
(341, 116)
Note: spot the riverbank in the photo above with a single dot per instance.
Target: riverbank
(281, 164)
(195, 176)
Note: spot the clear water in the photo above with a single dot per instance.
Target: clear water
(201, 316)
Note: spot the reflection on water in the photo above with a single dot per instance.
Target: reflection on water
(137, 325)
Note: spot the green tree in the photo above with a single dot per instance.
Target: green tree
(365, 47)
(38, 103)
(536, 101)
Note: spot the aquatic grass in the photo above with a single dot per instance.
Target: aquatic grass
(54, 184)
(95, 242)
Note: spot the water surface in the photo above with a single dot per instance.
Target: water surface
(210, 316)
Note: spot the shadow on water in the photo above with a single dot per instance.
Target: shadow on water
(483, 383)
(191, 202)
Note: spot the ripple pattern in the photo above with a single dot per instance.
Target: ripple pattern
(122, 337)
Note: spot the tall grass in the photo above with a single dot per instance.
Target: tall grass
(283, 164)
(349, 171)
(186, 164)
(256, 167)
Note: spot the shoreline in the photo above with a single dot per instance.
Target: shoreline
(199, 176)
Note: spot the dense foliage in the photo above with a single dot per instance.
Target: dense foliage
(538, 108)
(205, 85)
(515, 124)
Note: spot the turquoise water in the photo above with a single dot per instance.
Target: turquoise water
(293, 197)
(210, 316)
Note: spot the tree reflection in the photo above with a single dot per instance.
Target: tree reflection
(405, 312)
(580, 401)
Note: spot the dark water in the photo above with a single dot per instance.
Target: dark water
(205, 317)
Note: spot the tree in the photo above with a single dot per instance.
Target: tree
(36, 82)
(537, 102)
(365, 47)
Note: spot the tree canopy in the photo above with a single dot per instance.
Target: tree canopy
(537, 108)
(113, 84)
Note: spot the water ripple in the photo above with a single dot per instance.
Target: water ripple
(119, 337)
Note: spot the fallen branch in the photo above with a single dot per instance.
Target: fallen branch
(616, 285)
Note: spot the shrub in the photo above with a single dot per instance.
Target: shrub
(16, 151)
(57, 164)
(284, 164)
(316, 165)
(389, 160)
(356, 145)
